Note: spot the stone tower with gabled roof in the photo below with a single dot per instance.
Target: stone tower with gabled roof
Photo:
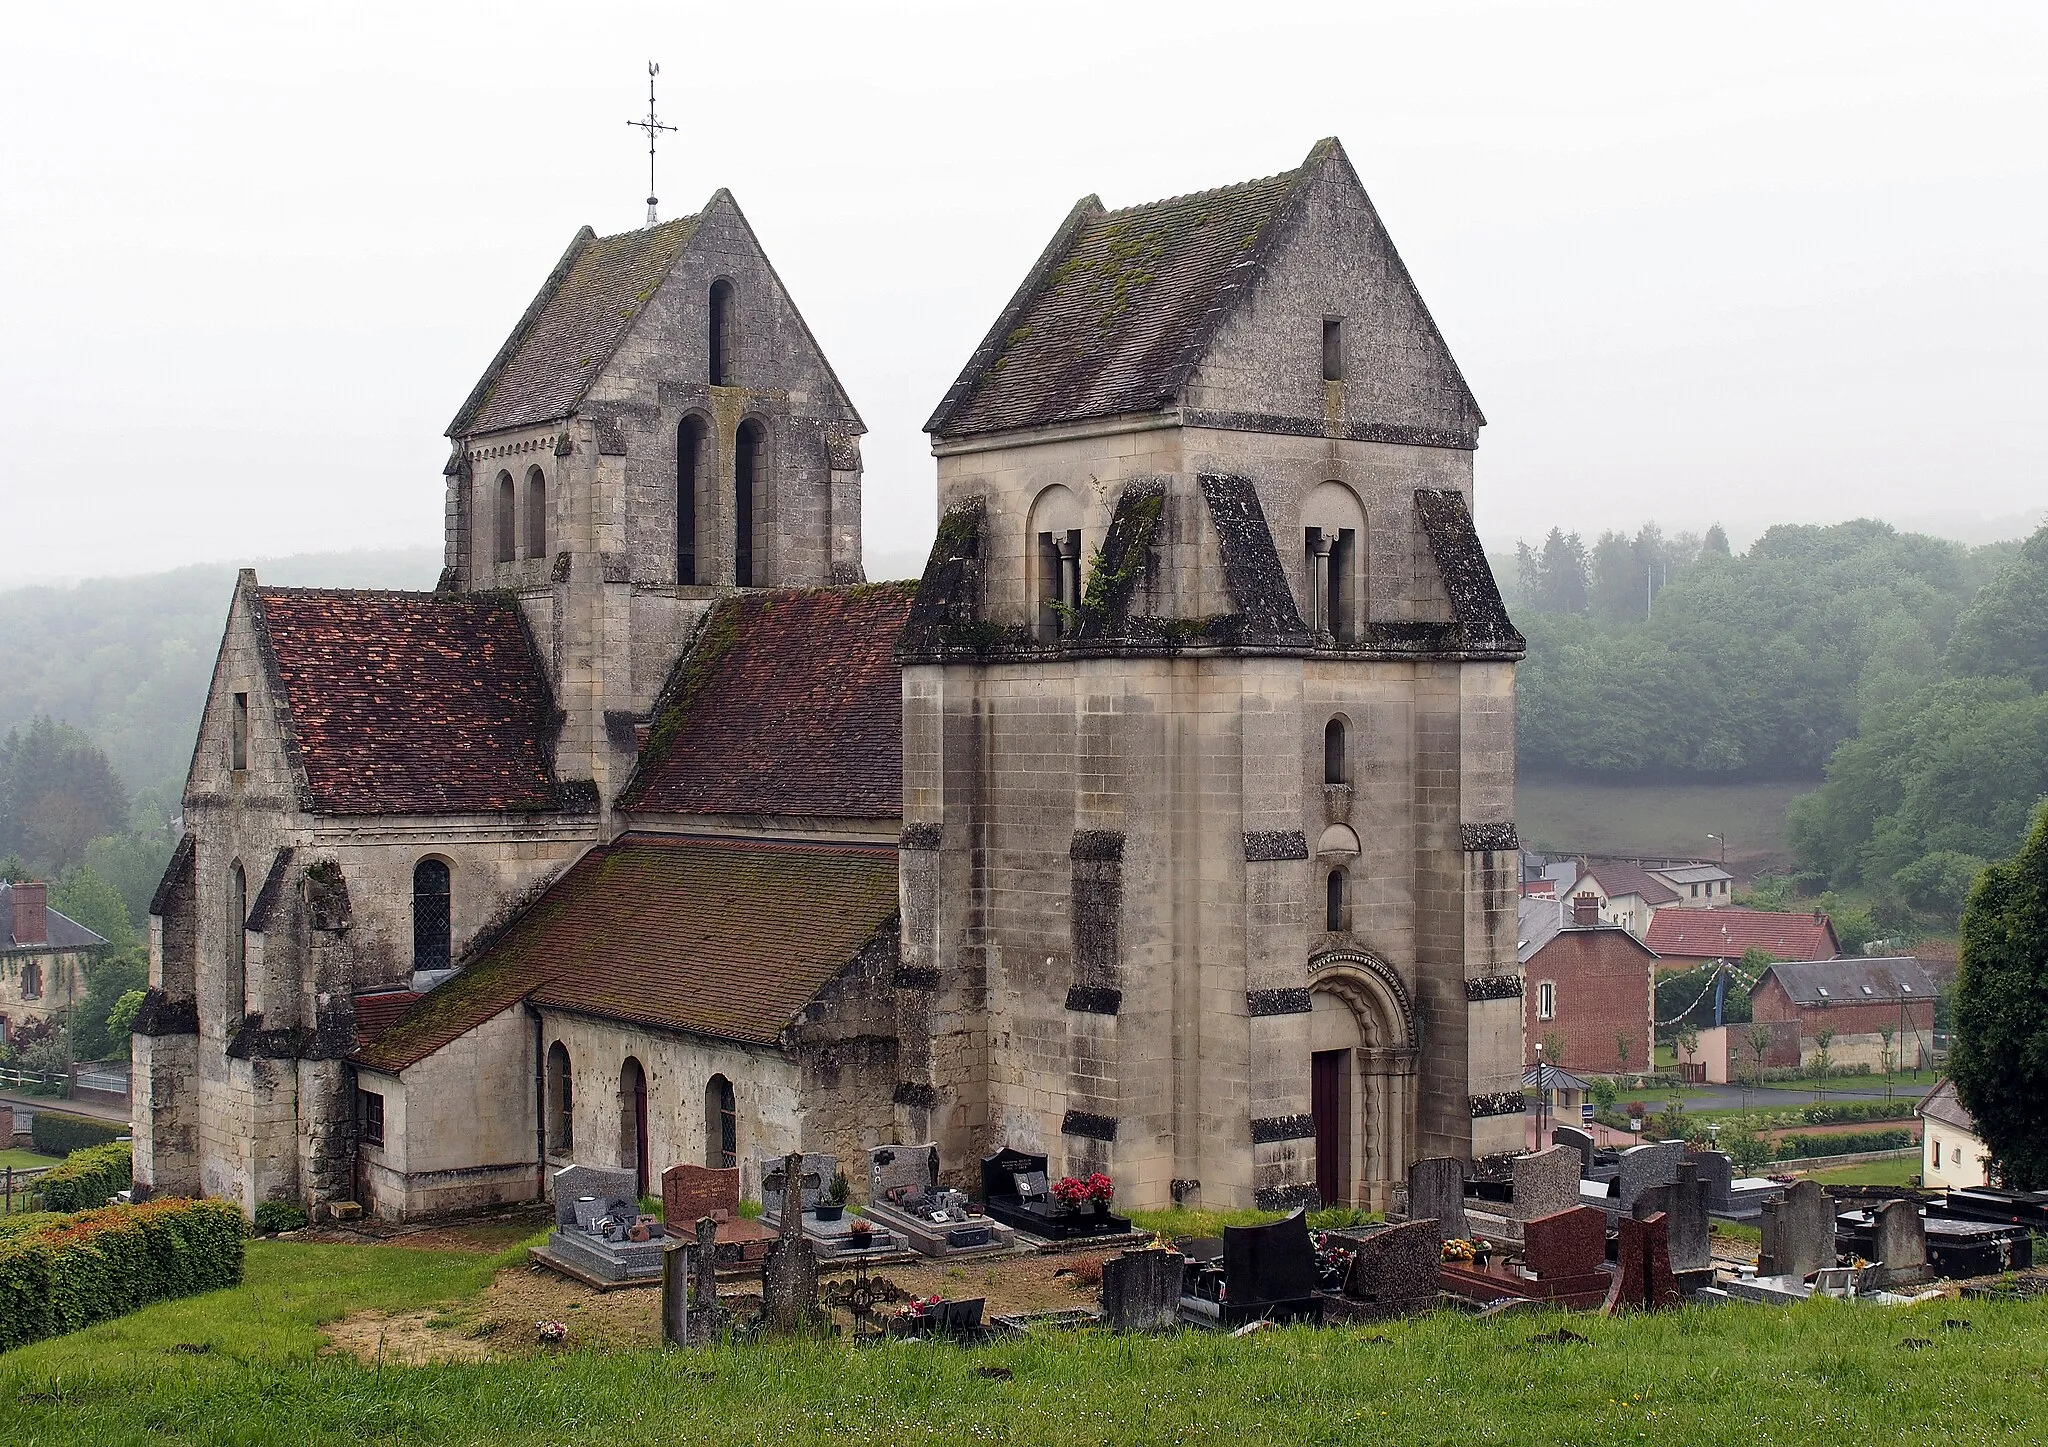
(660, 427)
(1209, 868)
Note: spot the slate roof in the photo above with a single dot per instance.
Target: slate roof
(64, 932)
(1941, 1104)
(1618, 877)
(572, 327)
(1114, 315)
(1727, 934)
(1853, 981)
(788, 703)
(1538, 919)
(410, 703)
(1692, 874)
(729, 938)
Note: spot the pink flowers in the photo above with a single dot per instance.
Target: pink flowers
(1074, 1190)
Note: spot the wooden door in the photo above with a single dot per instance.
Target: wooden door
(1326, 1105)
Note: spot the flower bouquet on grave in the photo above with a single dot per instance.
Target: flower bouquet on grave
(1459, 1249)
(1101, 1190)
(1333, 1260)
(862, 1233)
(551, 1333)
(1072, 1193)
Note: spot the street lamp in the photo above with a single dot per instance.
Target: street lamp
(1722, 840)
(1542, 1095)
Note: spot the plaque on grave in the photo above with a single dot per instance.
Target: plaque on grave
(1270, 1272)
(1642, 1268)
(1684, 1204)
(904, 1195)
(1901, 1243)
(600, 1235)
(693, 1193)
(1141, 1290)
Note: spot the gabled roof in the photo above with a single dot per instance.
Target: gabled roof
(1116, 312)
(1853, 981)
(729, 938)
(572, 327)
(1538, 918)
(63, 932)
(409, 703)
(1942, 1104)
(1619, 877)
(787, 703)
(379, 1011)
(1728, 934)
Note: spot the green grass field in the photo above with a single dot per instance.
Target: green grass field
(242, 1366)
(1658, 819)
(1904, 1171)
(25, 1160)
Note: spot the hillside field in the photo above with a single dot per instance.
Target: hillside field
(1573, 816)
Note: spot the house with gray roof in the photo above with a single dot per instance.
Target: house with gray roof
(1876, 1011)
(43, 957)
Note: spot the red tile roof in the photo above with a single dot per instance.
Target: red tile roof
(377, 1013)
(411, 703)
(723, 937)
(788, 703)
(1728, 934)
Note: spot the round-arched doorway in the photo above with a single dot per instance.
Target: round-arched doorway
(1362, 1040)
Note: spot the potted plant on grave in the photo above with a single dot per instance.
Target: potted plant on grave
(1101, 1190)
(862, 1233)
(833, 1206)
(1073, 1195)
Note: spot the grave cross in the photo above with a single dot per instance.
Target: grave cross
(651, 125)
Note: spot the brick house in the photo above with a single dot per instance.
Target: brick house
(1859, 999)
(1586, 980)
(654, 835)
(43, 957)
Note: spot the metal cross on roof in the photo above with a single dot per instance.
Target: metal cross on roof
(651, 125)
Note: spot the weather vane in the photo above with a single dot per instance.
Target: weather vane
(651, 125)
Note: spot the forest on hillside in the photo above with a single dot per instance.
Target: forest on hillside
(1907, 674)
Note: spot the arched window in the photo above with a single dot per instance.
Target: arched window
(507, 519)
(1334, 762)
(1333, 552)
(723, 348)
(1336, 917)
(746, 465)
(430, 927)
(237, 991)
(721, 1125)
(633, 1122)
(536, 513)
(689, 457)
(1053, 538)
(561, 1102)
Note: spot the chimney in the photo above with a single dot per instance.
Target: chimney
(31, 923)
(1820, 916)
(1585, 911)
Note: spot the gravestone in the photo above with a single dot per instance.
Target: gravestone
(1642, 1268)
(1395, 1270)
(1684, 1205)
(705, 1313)
(690, 1193)
(1580, 1141)
(1436, 1191)
(1901, 1243)
(1546, 1182)
(597, 1183)
(1717, 1170)
(789, 1277)
(902, 1174)
(1799, 1233)
(815, 1173)
(1141, 1290)
(1651, 1165)
(1568, 1244)
(1270, 1270)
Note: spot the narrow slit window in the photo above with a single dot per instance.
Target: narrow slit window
(238, 733)
(689, 456)
(430, 916)
(507, 519)
(1333, 902)
(536, 513)
(720, 341)
(746, 461)
(1333, 349)
(237, 992)
(1334, 750)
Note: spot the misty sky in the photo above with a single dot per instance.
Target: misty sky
(1741, 262)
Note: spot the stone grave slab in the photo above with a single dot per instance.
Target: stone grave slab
(690, 1194)
(599, 1183)
(600, 1237)
(1545, 1182)
(789, 1275)
(1799, 1233)
(1016, 1191)
(1561, 1263)
(816, 1177)
(1901, 1241)
(1436, 1192)
(1684, 1204)
(1269, 1273)
(905, 1197)
(1717, 1169)
(1393, 1270)
(1642, 1269)
(1141, 1290)
(1647, 1165)
(1580, 1141)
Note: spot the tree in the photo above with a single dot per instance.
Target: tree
(121, 1019)
(1553, 1048)
(1560, 575)
(1715, 542)
(1823, 1064)
(2004, 632)
(2000, 1060)
(1688, 1041)
(1747, 1149)
(1939, 883)
(1758, 1039)
(57, 794)
(107, 983)
(83, 897)
(1884, 1050)
(1623, 1043)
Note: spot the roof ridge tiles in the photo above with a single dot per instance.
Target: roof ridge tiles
(1289, 176)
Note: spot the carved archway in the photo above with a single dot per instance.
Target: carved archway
(1368, 1097)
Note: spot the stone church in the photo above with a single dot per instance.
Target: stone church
(1163, 827)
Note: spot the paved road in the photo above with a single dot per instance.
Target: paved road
(25, 1106)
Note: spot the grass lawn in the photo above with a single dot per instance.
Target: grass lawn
(1657, 819)
(241, 1366)
(26, 1159)
(1907, 1083)
(1904, 1171)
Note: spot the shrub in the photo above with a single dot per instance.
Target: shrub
(88, 1178)
(80, 1269)
(1805, 1147)
(275, 1216)
(58, 1134)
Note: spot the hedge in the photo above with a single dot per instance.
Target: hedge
(1849, 1143)
(88, 1178)
(99, 1264)
(57, 1134)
